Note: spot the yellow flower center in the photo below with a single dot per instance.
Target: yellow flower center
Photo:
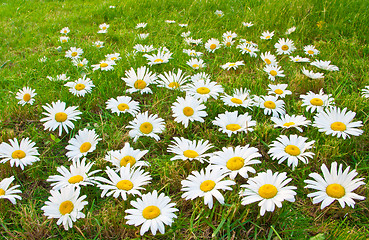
(267, 61)
(125, 185)
(278, 91)
(122, 107)
(61, 117)
(113, 58)
(213, 46)
(228, 44)
(26, 97)
(159, 60)
(66, 207)
(151, 212)
(236, 100)
(316, 102)
(207, 185)
(75, 179)
(292, 150)
(103, 65)
(203, 90)
(289, 124)
(80, 87)
(269, 104)
(85, 147)
(80, 64)
(311, 52)
(173, 85)
(233, 127)
(285, 47)
(273, 73)
(267, 37)
(297, 59)
(190, 154)
(335, 190)
(231, 64)
(140, 84)
(65, 31)
(219, 14)
(247, 49)
(98, 45)
(195, 65)
(338, 126)
(267, 191)
(74, 54)
(146, 128)
(18, 154)
(2, 192)
(104, 28)
(188, 111)
(64, 40)
(235, 163)
(127, 159)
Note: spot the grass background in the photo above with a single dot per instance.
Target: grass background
(30, 30)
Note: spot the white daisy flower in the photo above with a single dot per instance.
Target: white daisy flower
(123, 104)
(269, 58)
(146, 125)
(80, 63)
(185, 149)
(185, 34)
(83, 142)
(172, 80)
(271, 105)
(292, 149)
(188, 109)
(74, 53)
(229, 34)
(232, 123)
(170, 21)
(311, 50)
(365, 92)
(143, 36)
(325, 65)
(58, 116)
(279, 90)
(98, 44)
(65, 30)
(159, 58)
(240, 97)
(193, 42)
(236, 160)
(204, 89)
(104, 65)
(78, 175)
(140, 81)
(317, 101)
(103, 28)
(113, 57)
(144, 48)
(268, 188)
(66, 205)
(233, 65)
(273, 71)
(290, 30)
(212, 44)
(334, 121)
(43, 59)
(335, 185)
(249, 49)
(192, 53)
(25, 95)
(141, 25)
(206, 184)
(247, 24)
(219, 13)
(80, 87)
(311, 74)
(285, 46)
(196, 63)
(228, 42)
(9, 193)
(183, 24)
(267, 35)
(200, 76)
(62, 77)
(63, 39)
(287, 121)
(248, 42)
(152, 211)
(299, 59)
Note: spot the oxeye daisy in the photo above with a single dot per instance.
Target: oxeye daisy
(66, 205)
(219, 13)
(279, 90)
(74, 53)
(247, 24)
(58, 116)
(292, 149)
(189, 150)
(271, 105)
(229, 34)
(43, 59)
(129, 181)
(317, 101)
(290, 30)
(206, 184)
(141, 25)
(25, 95)
(20, 154)
(183, 24)
(146, 125)
(104, 65)
(143, 36)
(140, 81)
(172, 80)
(159, 58)
(170, 21)
(152, 211)
(335, 185)
(311, 74)
(63, 39)
(268, 188)
(188, 109)
(103, 28)
(123, 104)
(113, 57)
(236, 160)
(98, 44)
(248, 42)
(193, 42)
(240, 97)
(62, 77)
(204, 89)
(233, 65)
(82, 143)
(9, 193)
(311, 50)
(80, 87)
(200, 76)
(65, 30)
(144, 48)
(334, 121)
(228, 42)
(231, 122)
(185, 34)
(267, 35)
(249, 49)
(284, 46)
(80, 63)
(273, 71)
(126, 155)
(325, 65)
(287, 121)
(78, 175)
(192, 53)
(299, 59)
(269, 58)
(365, 92)
(212, 44)
(196, 63)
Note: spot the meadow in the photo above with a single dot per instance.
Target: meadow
(31, 30)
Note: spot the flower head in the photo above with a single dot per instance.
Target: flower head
(25, 95)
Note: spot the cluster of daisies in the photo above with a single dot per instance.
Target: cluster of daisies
(126, 173)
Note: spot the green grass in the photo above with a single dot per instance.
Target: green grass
(30, 30)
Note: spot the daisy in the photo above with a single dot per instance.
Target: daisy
(228, 42)
(80, 63)
(172, 80)
(279, 90)
(299, 59)
(185, 34)
(233, 65)
(183, 24)
(78, 175)
(185, 149)
(74, 53)
(19, 154)
(192, 53)
(146, 125)
(249, 49)
(284, 46)
(273, 71)
(236, 160)
(193, 42)
(247, 24)
(9, 193)
(66, 205)
(334, 121)
(212, 44)
(311, 74)
(126, 155)
(325, 65)
(317, 101)
(188, 109)
(240, 97)
(200, 76)
(143, 36)
(335, 185)
(292, 149)
(141, 25)
(113, 57)
(43, 59)
(196, 63)
(268, 58)
(25, 95)
(231, 122)
(104, 65)
(140, 81)
(62, 77)
(267, 35)
(204, 89)
(365, 92)
(98, 44)
(290, 30)
(123, 104)
(287, 121)
(219, 13)
(268, 188)
(159, 58)
(271, 105)
(63, 39)
(83, 142)
(144, 49)
(80, 87)
(229, 34)
(206, 184)
(248, 42)
(58, 116)
(170, 21)
(152, 211)
(311, 50)
(103, 28)
(65, 30)
(129, 181)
